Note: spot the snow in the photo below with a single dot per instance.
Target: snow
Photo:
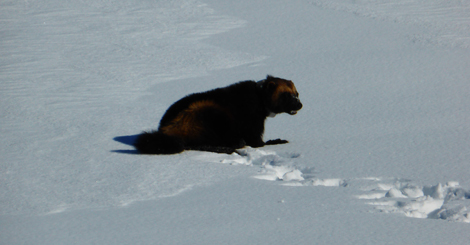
(379, 153)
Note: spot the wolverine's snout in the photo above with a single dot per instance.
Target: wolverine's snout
(295, 105)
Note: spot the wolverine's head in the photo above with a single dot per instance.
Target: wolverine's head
(280, 95)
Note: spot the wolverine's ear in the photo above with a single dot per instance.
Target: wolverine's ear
(268, 83)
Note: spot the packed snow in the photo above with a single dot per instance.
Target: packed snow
(379, 154)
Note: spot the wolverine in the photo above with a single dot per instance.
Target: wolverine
(222, 120)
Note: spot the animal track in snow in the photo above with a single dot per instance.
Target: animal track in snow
(280, 167)
(389, 195)
(273, 166)
(442, 201)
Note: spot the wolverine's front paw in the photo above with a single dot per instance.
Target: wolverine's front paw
(276, 142)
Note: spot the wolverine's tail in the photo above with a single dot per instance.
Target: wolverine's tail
(155, 142)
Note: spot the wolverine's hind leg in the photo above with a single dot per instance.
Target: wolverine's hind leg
(206, 126)
(219, 132)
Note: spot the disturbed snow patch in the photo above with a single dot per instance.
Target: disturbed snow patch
(442, 201)
(390, 195)
(273, 166)
(279, 167)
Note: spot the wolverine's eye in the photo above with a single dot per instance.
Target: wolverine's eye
(289, 96)
(286, 96)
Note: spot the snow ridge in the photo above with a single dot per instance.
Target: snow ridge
(447, 20)
(446, 201)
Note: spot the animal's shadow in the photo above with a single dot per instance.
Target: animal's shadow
(127, 140)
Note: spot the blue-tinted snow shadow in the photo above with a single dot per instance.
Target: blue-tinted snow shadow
(127, 140)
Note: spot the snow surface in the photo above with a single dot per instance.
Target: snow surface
(379, 154)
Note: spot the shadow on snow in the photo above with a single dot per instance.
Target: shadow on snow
(127, 140)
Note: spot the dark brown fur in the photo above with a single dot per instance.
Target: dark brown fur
(223, 119)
